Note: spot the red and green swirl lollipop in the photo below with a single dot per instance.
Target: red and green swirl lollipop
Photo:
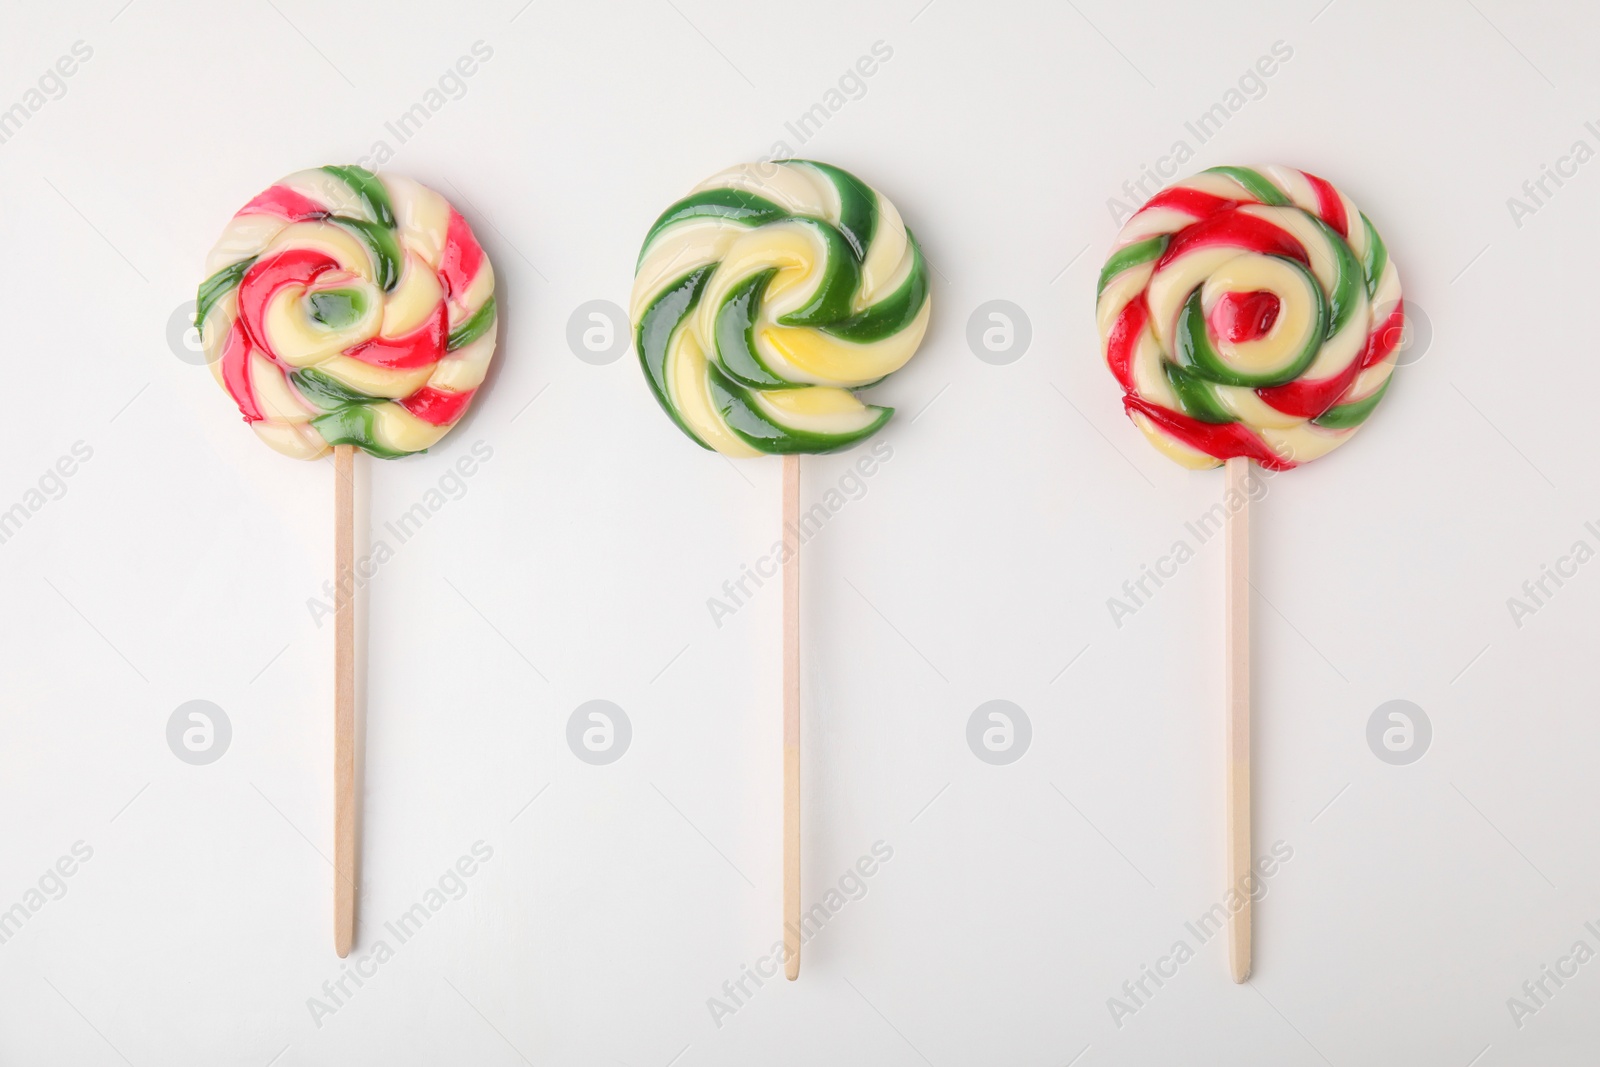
(342, 311)
(1250, 314)
(347, 309)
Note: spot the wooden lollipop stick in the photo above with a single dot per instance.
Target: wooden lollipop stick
(344, 700)
(1236, 603)
(791, 715)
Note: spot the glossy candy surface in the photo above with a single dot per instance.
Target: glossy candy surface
(768, 294)
(1250, 312)
(345, 308)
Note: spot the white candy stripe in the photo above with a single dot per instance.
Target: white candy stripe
(1171, 285)
(297, 440)
(797, 251)
(1370, 380)
(422, 217)
(1305, 441)
(279, 403)
(414, 298)
(1152, 222)
(1387, 294)
(300, 341)
(402, 431)
(888, 262)
(797, 188)
(1357, 237)
(329, 191)
(1174, 449)
(243, 237)
(680, 249)
(1119, 293)
(690, 392)
(1222, 185)
(1291, 331)
(214, 330)
(1149, 372)
(1251, 410)
(376, 381)
(332, 240)
(1293, 184)
(464, 305)
(464, 368)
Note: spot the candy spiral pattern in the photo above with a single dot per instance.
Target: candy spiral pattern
(765, 296)
(1250, 312)
(344, 308)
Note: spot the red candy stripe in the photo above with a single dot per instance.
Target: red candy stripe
(293, 266)
(1309, 399)
(1330, 205)
(285, 203)
(462, 256)
(236, 372)
(420, 347)
(1242, 317)
(1235, 229)
(1222, 440)
(1124, 337)
(1189, 201)
(1384, 339)
(437, 406)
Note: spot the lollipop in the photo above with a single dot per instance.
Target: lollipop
(342, 311)
(1249, 314)
(760, 301)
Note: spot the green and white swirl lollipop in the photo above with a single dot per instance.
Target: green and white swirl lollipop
(768, 294)
(761, 301)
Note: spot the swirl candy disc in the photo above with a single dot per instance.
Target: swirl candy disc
(345, 308)
(765, 296)
(1250, 312)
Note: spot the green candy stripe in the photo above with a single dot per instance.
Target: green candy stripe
(1255, 183)
(732, 204)
(891, 314)
(1344, 416)
(326, 392)
(738, 409)
(371, 191)
(383, 245)
(653, 336)
(473, 328)
(858, 205)
(337, 308)
(1124, 258)
(1377, 257)
(218, 286)
(841, 277)
(355, 425)
(858, 208)
(735, 335)
(1197, 396)
(1342, 301)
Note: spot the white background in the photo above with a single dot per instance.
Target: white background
(178, 564)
